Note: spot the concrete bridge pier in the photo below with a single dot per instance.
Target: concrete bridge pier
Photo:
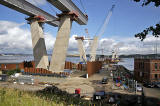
(81, 49)
(94, 48)
(61, 44)
(38, 42)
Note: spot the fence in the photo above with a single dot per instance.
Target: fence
(70, 65)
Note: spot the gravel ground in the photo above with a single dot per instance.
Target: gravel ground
(69, 84)
(23, 87)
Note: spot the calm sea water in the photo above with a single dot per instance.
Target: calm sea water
(126, 62)
(17, 59)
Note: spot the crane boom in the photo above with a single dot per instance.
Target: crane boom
(102, 30)
(94, 45)
(87, 36)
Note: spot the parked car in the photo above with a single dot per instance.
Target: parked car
(139, 88)
(98, 95)
(3, 77)
(148, 85)
(157, 85)
(105, 80)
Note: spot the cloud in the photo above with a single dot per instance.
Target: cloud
(73, 45)
(15, 39)
(37, 2)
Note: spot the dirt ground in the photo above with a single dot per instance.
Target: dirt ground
(69, 84)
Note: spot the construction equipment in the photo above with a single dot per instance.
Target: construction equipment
(102, 30)
(88, 38)
(115, 57)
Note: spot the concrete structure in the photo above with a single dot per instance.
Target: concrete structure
(69, 6)
(61, 44)
(94, 48)
(147, 70)
(38, 43)
(70, 12)
(81, 49)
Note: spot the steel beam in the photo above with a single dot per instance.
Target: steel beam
(69, 6)
(30, 10)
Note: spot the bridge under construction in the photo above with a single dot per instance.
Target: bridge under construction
(37, 16)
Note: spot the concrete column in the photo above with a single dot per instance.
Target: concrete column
(81, 50)
(61, 45)
(94, 48)
(38, 44)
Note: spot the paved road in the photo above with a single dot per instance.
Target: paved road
(152, 92)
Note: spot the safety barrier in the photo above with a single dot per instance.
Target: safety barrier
(44, 72)
(70, 65)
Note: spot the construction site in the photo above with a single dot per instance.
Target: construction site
(93, 81)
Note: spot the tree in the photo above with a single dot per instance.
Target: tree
(146, 2)
(154, 30)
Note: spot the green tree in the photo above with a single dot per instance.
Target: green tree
(146, 2)
(155, 30)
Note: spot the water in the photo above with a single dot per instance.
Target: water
(18, 59)
(15, 59)
(126, 62)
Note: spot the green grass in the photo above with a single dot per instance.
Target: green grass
(12, 97)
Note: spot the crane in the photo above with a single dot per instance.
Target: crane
(102, 30)
(115, 57)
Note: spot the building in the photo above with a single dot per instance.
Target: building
(147, 70)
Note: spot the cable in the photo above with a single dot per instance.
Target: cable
(83, 7)
(51, 7)
(103, 26)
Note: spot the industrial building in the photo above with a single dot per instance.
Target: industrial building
(147, 70)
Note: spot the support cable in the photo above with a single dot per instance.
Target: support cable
(51, 7)
(81, 3)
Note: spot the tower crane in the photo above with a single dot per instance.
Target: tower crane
(102, 30)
